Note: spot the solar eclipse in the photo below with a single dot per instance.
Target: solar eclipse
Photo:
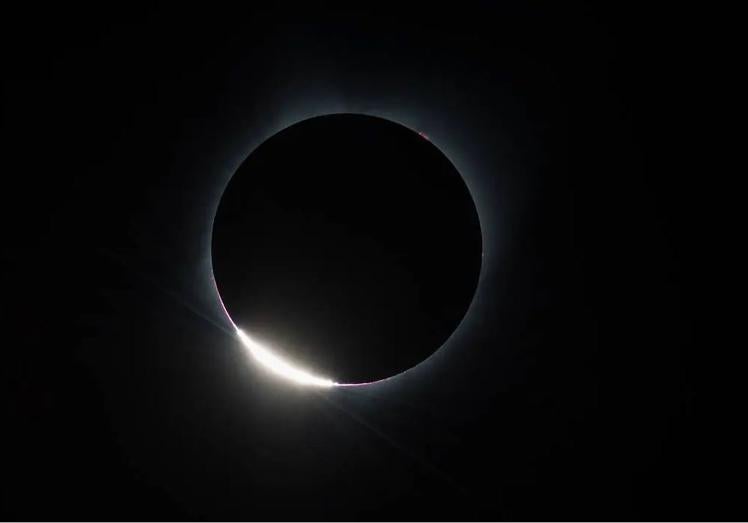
(346, 216)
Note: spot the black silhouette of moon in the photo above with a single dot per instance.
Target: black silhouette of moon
(349, 245)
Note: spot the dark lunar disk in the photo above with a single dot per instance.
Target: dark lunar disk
(348, 244)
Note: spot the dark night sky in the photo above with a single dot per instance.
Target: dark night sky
(576, 389)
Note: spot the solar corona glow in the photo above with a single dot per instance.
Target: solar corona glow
(279, 366)
(250, 298)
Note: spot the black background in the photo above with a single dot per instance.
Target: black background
(579, 388)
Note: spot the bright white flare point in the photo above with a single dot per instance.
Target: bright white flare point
(280, 367)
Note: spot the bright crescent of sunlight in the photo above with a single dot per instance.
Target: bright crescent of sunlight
(279, 366)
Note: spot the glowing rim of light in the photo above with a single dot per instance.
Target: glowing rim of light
(279, 366)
